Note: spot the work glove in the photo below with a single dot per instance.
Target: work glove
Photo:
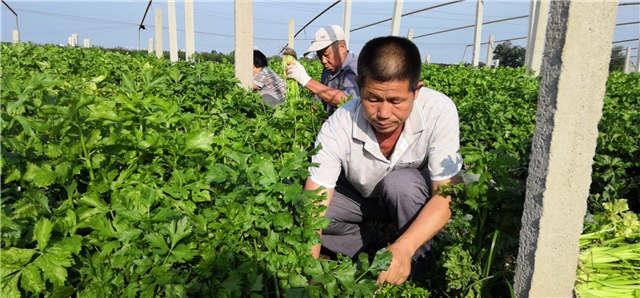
(296, 71)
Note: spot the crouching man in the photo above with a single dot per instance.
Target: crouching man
(384, 156)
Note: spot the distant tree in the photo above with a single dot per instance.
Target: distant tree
(618, 56)
(214, 56)
(509, 55)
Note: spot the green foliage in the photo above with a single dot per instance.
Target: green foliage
(475, 255)
(616, 169)
(509, 55)
(618, 57)
(125, 175)
(130, 176)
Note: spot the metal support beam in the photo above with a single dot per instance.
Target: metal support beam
(346, 21)
(243, 58)
(397, 15)
(477, 33)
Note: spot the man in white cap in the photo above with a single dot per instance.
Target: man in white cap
(338, 81)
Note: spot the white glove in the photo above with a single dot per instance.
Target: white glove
(297, 72)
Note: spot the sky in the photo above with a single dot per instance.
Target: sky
(115, 23)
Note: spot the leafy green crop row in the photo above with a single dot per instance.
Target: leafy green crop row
(476, 253)
(130, 176)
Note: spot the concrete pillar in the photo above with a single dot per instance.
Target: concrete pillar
(244, 41)
(189, 38)
(478, 33)
(397, 15)
(410, 34)
(346, 25)
(86, 43)
(538, 37)
(150, 46)
(627, 60)
(292, 33)
(490, 51)
(15, 36)
(173, 33)
(638, 57)
(574, 73)
(158, 26)
(532, 16)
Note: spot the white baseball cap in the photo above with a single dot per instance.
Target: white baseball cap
(325, 36)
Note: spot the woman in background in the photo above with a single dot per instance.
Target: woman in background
(266, 81)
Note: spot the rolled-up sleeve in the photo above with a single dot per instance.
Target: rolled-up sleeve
(332, 140)
(444, 147)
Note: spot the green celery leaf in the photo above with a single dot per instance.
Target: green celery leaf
(9, 287)
(381, 261)
(32, 280)
(42, 233)
(199, 140)
(14, 259)
(297, 280)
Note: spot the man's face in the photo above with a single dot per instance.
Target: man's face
(330, 57)
(387, 105)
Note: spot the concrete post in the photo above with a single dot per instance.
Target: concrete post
(478, 33)
(150, 46)
(189, 38)
(86, 43)
(397, 15)
(410, 34)
(638, 57)
(158, 26)
(537, 41)
(346, 26)
(15, 37)
(244, 41)
(627, 60)
(574, 73)
(173, 33)
(532, 16)
(490, 51)
(292, 33)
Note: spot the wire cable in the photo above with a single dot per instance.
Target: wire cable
(627, 23)
(407, 14)
(14, 13)
(321, 13)
(470, 26)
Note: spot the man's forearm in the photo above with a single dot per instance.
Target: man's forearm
(326, 93)
(431, 219)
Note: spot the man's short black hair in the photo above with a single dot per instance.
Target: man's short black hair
(389, 58)
(259, 59)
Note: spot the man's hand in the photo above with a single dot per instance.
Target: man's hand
(296, 71)
(400, 267)
(315, 250)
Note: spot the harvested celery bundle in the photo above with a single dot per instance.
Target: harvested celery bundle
(609, 261)
(293, 90)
